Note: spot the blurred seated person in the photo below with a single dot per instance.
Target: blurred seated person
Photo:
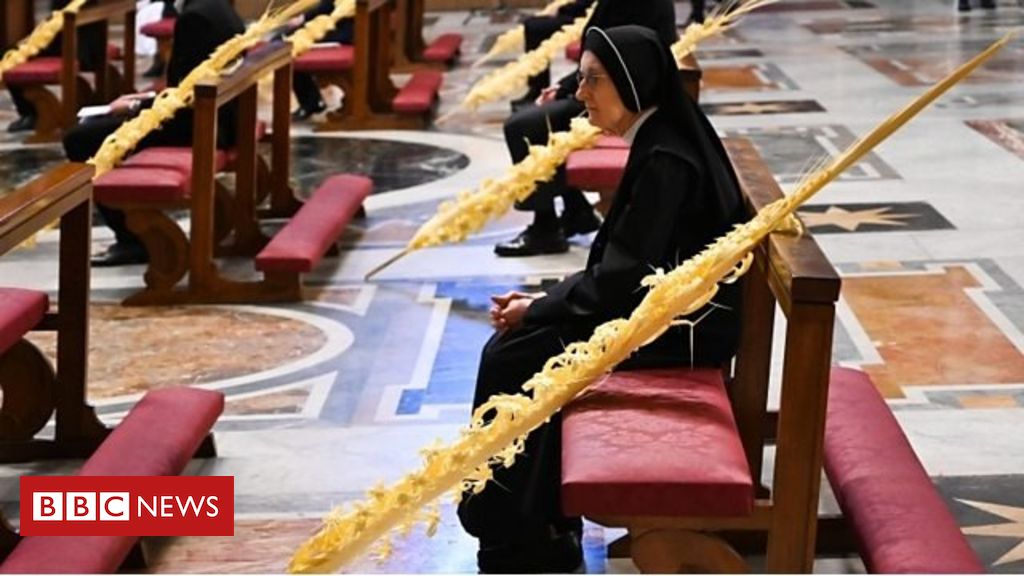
(202, 26)
(536, 30)
(307, 92)
(91, 51)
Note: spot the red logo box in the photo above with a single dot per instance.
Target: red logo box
(127, 505)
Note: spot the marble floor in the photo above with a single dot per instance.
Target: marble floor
(330, 396)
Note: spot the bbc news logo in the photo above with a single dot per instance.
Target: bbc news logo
(127, 505)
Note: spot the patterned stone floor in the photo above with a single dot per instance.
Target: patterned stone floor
(329, 397)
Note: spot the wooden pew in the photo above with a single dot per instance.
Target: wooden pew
(16, 21)
(694, 490)
(56, 114)
(410, 51)
(146, 191)
(372, 101)
(33, 392)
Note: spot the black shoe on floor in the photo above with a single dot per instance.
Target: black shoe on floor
(988, 4)
(964, 6)
(532, 241)
(121, 255)
(305, 114)
(23, 124)
(575, 223)
(558, 554)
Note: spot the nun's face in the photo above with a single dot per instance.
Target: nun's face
(597, 92)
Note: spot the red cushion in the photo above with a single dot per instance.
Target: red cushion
(142, 185)
(328, 59)
(654, 443)
(901, 521)
(611, 142)
(160, 29)
(157, 438)
(597, 168)
(299, 246)
(175, 158)
(20, 311)
(44, 70)
(574, 51)
(445, 48)
(419, 94)
(159, 435)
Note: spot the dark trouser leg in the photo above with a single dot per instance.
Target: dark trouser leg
(21, 104)
(80, 144)
(307, 92)
(530, 126)
(84, 140)
(537, 29)
(697, 15)
(523, 501)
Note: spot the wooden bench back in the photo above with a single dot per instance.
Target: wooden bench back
(16, 21)
(212, 94)
(108, 84)
(371, 72)
(794, 273)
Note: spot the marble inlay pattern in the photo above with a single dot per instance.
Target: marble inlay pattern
(138, 349)
(923, 63)
(788, 151)
(745, 77)
(761, 107)
(392, 165)
(18, 166)
(872, 217)
(990, 511)
(1007, 133)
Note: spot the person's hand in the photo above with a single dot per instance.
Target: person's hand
(123, 105)
(512, 315)
(547, 95)
(500, 311)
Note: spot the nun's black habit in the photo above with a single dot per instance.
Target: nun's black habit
(677, 195)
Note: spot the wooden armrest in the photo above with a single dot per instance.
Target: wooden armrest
(255, 66)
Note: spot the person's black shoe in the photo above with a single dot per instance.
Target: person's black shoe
(574, 223)
(532, 241)
(121, 255)
(964, 6)
(558, 554)
(23, 124)
(988, 4)
(305, 114)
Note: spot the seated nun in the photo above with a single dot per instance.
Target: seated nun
(678, 194)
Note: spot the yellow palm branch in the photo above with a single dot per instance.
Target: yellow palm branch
(39, 39)
(513, 76)
(456, 220)
(466, 463)
(515, 38)
(118, 144)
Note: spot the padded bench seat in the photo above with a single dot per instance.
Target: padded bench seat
(901, 522)
(654, 443)
(161, 29)
(596, 168)
(302, 243)
(158, 437)
(445, 48)
(327, 59)
(20, 312)
(42, 70)
(143, 185)
(419, 94)
(170, 157)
